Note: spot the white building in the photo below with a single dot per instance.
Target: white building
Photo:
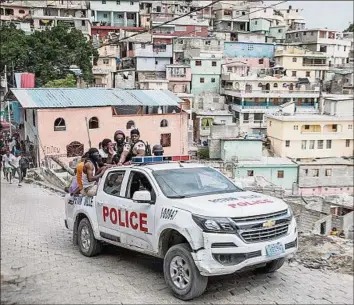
(327, 41)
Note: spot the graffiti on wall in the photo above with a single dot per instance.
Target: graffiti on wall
(51, 150)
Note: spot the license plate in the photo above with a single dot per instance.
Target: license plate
(275, 249)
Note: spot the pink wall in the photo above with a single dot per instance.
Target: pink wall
(16, 12)
(55, 142)
(321, 191)
(254, 62)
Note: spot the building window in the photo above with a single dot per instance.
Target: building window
(118, 2)
(131, 3)
(294, 59)
(328, 172)
(293, 73)
(250, 173)
(315, 172)
(329, 144)
(246, 117)
(207, 43)
(287, 143)
(164, 123)
(198, 62)
(213, 63)
(215, 100)
(22, 12)
(93, 123)
(275, 85)
(25, 114)
(59, 124)
(306, 172)
(33, 118)
(320, 144)
(105, 61)
(130, 125)
(303, 144)
(201, 80)
(347, 143)
(296, 127)
(180, 28)
(213, 80)
(165, 140)
(83, 22)
(103, 1)
(105, 15)
(270, 123)
(350, 126)
(280, 174)
(229, 69)
(308, 73)
(312, 144)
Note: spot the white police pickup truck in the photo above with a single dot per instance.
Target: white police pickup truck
(190, 215)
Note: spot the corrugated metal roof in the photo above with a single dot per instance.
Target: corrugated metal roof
(92, 97)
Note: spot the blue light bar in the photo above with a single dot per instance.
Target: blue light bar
(159, 159)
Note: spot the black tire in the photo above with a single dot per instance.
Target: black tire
(197, 283)
(94, 247)
(272, 266)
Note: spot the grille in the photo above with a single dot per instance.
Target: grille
(263, 217)
(265, 234)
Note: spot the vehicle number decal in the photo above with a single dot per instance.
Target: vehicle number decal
(169, 214)
(77, 200)
(88, 201)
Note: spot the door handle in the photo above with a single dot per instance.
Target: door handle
(100, 203)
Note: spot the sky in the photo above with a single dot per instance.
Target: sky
(335, 14)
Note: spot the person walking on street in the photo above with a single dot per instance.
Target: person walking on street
(24, 166)
(8, 157)
(15, 163)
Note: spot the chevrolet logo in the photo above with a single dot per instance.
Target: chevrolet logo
(269, 223)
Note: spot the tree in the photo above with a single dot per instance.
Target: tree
(68, 82)
(350, 28)
(48, 54)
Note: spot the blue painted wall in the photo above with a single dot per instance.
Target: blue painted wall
(249, 50)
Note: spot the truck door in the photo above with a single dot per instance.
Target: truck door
(109, 205)
(139, 221)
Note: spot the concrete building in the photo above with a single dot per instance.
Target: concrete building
(325, 176)
(302, 63)
(69, 121)
(253, 96)
(326, 41)
(206, 119)
(179, 77)
(115, 13)
(280, 172)
(45, 14)
(248, 50)
(310, 136)
(205, 75)
(340, 81)
(231, 17)
(106, 67)
(293, 18)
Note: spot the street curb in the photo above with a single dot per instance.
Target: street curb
(45, 185)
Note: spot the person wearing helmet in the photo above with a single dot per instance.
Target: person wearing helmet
(157, 150)
(137, 148)
(121, 145)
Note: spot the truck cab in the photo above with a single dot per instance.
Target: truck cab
(190, 215)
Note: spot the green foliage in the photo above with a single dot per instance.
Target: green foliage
(350, 28)
(68, 82)
(203, 153)
(48, 54)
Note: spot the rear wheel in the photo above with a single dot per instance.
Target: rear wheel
(181, 273)
(272, 266)
(88, 244)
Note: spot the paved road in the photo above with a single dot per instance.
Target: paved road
(40, 265)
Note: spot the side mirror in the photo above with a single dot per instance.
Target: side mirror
(142, 197)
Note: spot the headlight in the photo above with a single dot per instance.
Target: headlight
(214, 224)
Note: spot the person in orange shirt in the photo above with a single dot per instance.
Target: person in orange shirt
(79, 170)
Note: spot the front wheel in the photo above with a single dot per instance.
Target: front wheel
(181, 273)
(88, 244)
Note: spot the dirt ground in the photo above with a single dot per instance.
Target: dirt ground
(325, 252)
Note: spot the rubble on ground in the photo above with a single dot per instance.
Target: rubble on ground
(325, 252)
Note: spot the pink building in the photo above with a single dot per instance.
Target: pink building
(9, 11)
(63, 122)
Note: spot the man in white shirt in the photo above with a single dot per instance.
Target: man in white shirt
(7, 158)
(15, 163)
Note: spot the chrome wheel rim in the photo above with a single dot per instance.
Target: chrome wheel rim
(85, 238)
(180, 272)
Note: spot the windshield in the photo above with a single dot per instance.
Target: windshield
(192, 182)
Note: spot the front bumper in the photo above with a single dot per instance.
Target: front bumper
(246, 254)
